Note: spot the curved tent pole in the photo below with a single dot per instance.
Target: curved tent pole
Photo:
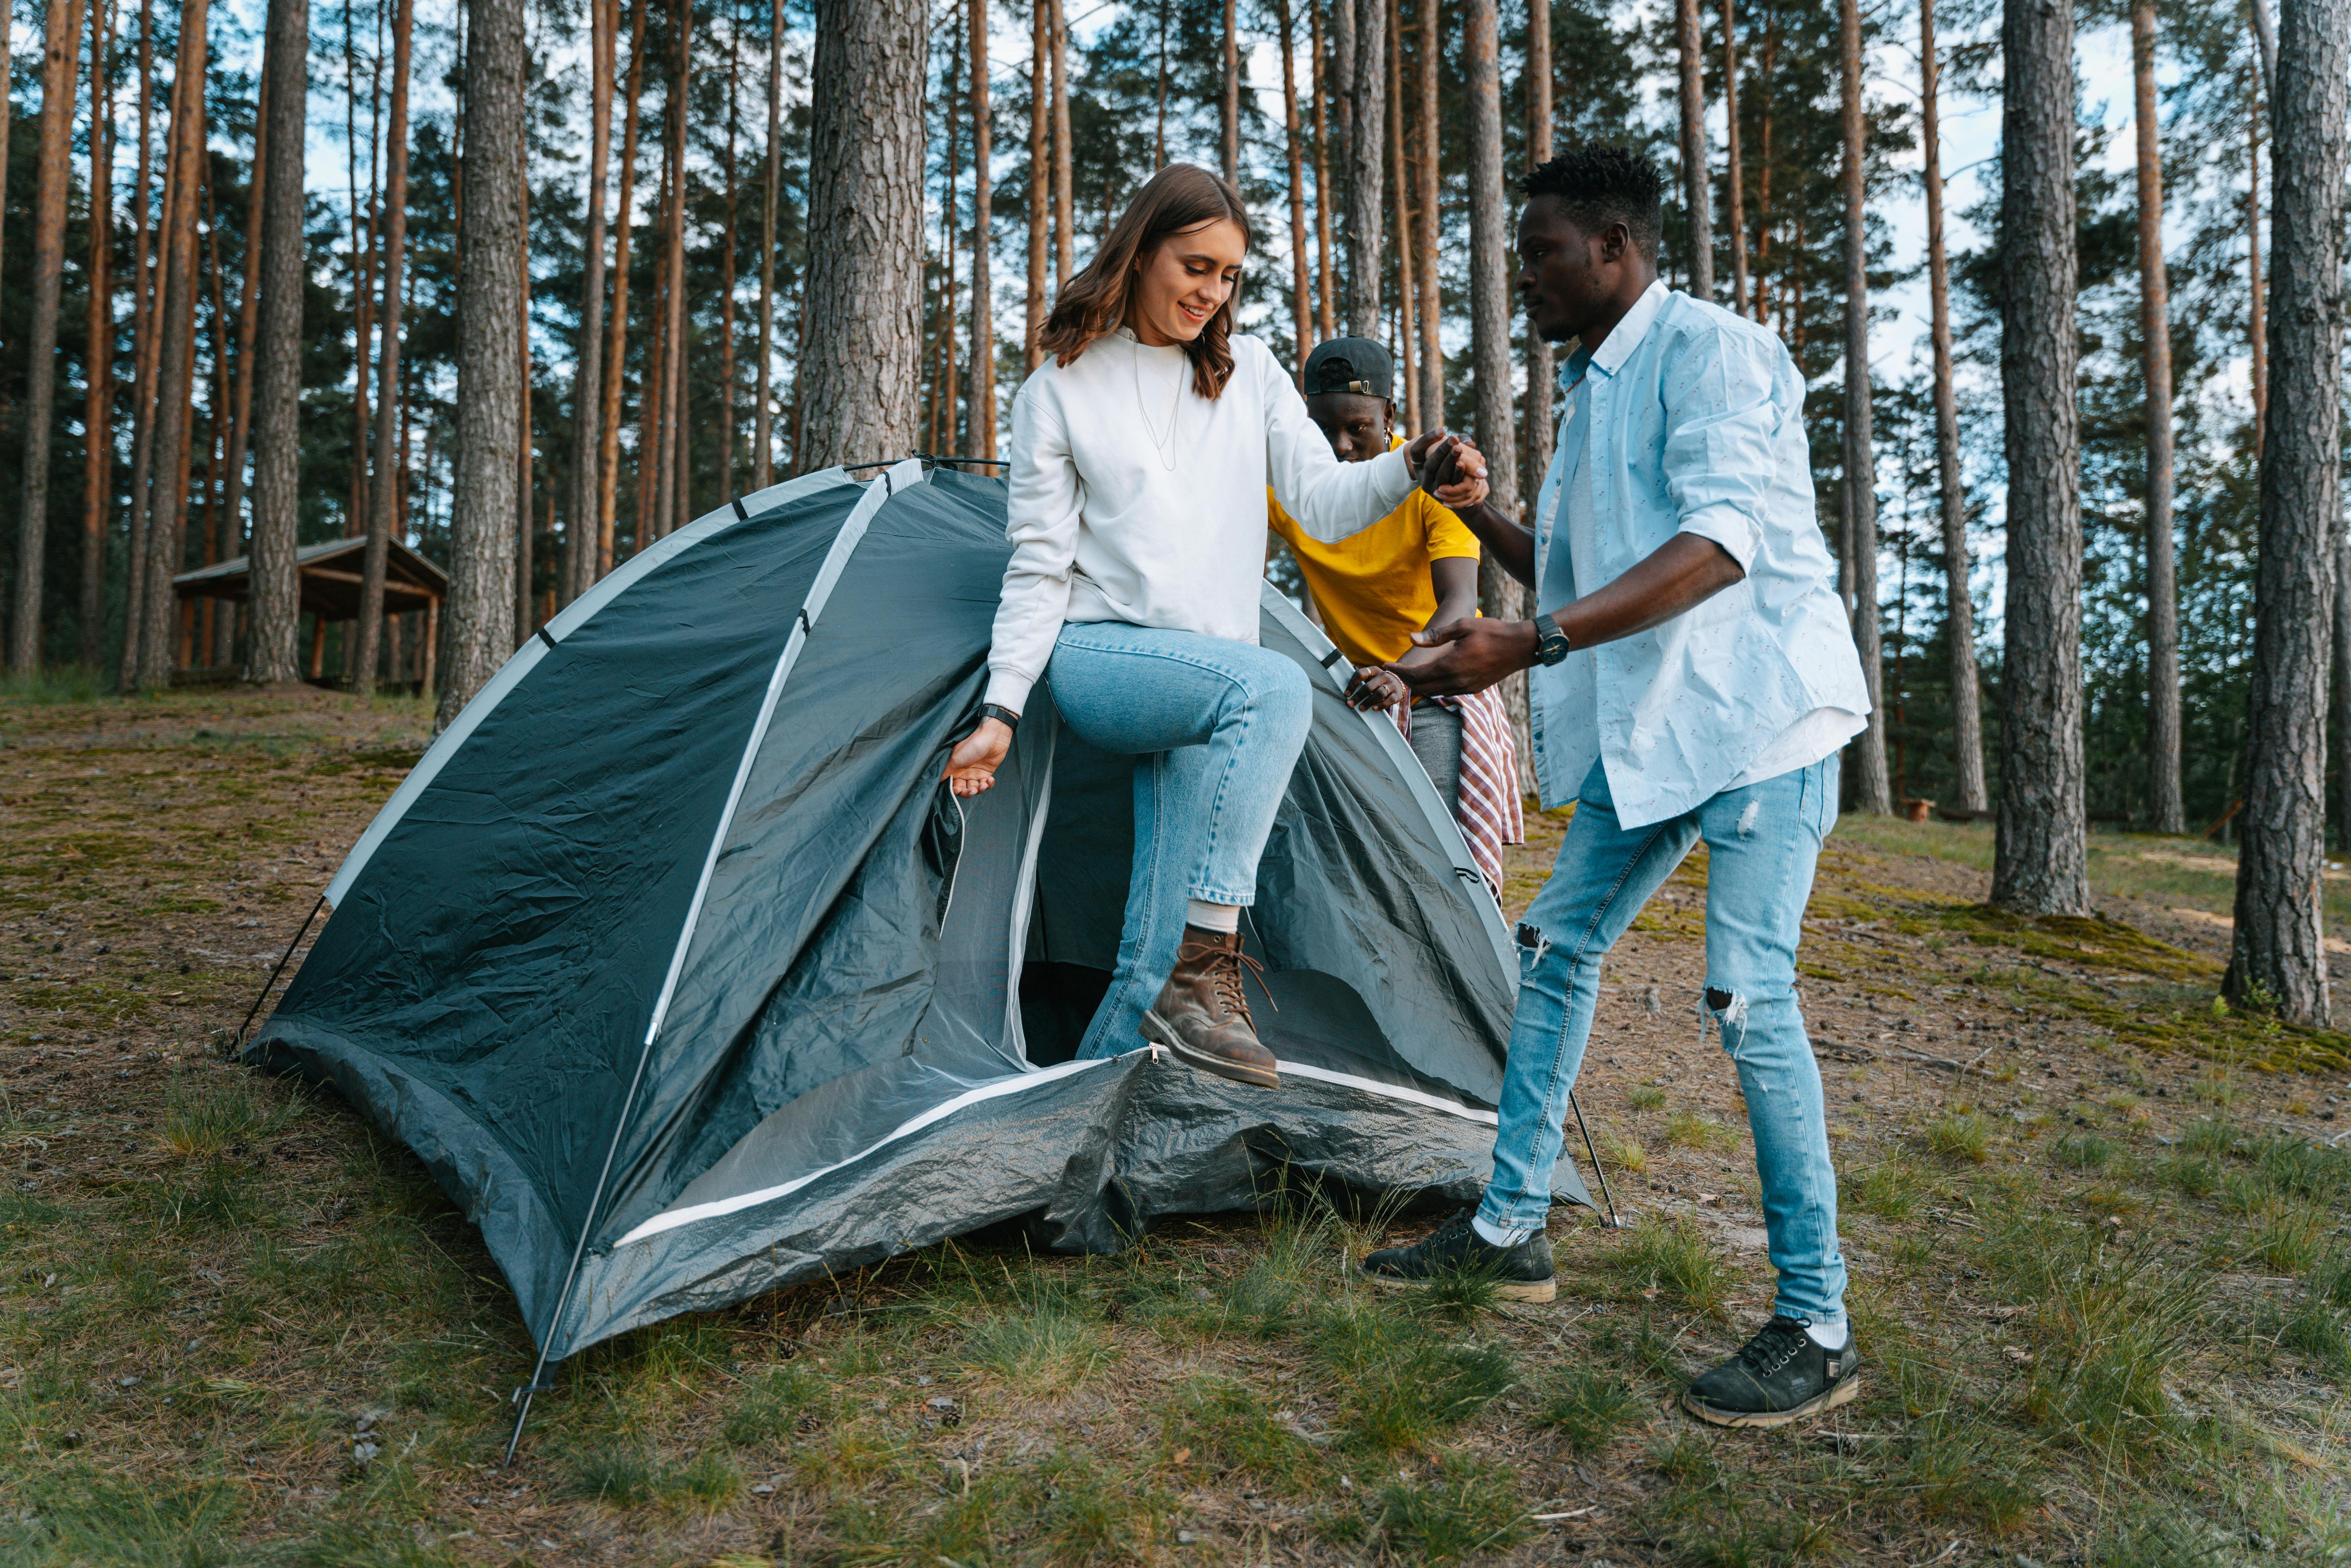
(853, 528)
(283, 958)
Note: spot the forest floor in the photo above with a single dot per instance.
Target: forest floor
(2096, 1223)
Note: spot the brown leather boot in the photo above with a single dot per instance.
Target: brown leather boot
(1203, 1018)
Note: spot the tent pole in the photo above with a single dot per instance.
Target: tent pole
(282, 959)
(1614, 1223)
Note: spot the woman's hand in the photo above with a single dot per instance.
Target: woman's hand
(972, 765)
(1376, 689)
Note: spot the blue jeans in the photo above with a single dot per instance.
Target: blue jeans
(1761, 844)
(1215, 727)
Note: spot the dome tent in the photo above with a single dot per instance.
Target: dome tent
(677, 966)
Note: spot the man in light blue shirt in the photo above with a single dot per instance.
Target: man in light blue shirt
(1693, 677)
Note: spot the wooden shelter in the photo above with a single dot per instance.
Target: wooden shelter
(331, 578)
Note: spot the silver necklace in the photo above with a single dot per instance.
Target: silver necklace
(1164, 445)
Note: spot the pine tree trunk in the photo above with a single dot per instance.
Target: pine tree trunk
(148, 401)
(1960, 625)
(98, 401)
(278, 363)
(1228, 106)
(2278, 956)
(478, 620)
(1763, 165)
(1535, 418)
(143, 350)
(2167, 812)
(616, 336)
(167, 503)
(656, 450)
(677, 487)
(763, 462)
(362, 320)
(1366, 161)
(1429, 272)
(2040, 863)
(61, 50)
(2341, 663)
(2257, 311)
(983, 229)
(726, 290)
(7, 100)
(1040, 178)
(1301, 296)
(384, 515)
(1400, 209)
(248, 320)
(864, 309)
(1733, 175)
(1326, 306)
(1872, 793)
(1064, 239)
(1698, 200)
(581, 539)
(1489, 330)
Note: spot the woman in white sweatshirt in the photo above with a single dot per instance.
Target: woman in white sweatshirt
(1140, 457)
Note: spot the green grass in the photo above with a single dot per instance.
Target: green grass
(1645, 1097)
(209, 1110)
(1587, 1408)
(772, 1406)
(1467, 1510)
(1218, 1428)
(1403, 1380)
(2082, 1152)
(1964, 1136)
(626, 1473)
(1696, 1130)
(1670, 1257)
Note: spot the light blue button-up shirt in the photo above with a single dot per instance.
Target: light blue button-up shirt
(1691, 419)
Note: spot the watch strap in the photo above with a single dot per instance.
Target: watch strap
(1001, 714)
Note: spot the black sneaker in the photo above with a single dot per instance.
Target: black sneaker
(1782, 1375)
(1521, 1273)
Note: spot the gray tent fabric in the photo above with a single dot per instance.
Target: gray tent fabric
(687, 978)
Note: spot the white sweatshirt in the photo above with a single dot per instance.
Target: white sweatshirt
(1136, 499)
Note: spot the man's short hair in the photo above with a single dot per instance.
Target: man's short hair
(1601, 185)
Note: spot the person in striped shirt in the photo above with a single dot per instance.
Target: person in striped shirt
(1415, 569)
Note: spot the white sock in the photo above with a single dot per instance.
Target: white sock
(1829, 1336)
(1492, 1236)
(1213, 916)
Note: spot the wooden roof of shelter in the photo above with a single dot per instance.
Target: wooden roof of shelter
(331, 579)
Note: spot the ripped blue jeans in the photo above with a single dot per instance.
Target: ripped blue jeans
(1762, 844)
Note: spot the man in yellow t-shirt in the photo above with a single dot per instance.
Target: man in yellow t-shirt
(1414, 569)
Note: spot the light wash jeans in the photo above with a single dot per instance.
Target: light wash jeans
(1215, 727)
(1762, 844)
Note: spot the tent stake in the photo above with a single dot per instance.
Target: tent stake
(255, 1010)
(1614, 1223)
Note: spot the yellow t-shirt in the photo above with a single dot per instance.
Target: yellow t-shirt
(1373, 589)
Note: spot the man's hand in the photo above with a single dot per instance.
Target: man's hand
(972, 765)
(1467, 656)
(1449, 467)
(1376, 689)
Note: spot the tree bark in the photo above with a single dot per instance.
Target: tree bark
(277, 390)
(248, 320)
(582, 539)
(678, 483)
(1040, 177)
(1489, 328)
(2341, 663)
(7, 100)
(1697, 198)
(863, 312)
(1400, 207)
(726, 288)
(1871, 789)
(1301, 296)
(1366, 161)
(942, 437)
(362, 319)
(1960, 625)
(1326, 306)
(2040, 863)
(384, 515)
(2257, 307)
(2167, 812)
(1229, 108)
(144, 308)
(616, 336)
(1429, 273)
(167, 493)
(61, 50)
(983, 229)
(1064, 238)
(763, 470)
(98, 400)
(478, 620)
(2278, 956)
(1536, 417)
(1733, 176)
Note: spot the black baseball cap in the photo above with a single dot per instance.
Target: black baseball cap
(1349, 365)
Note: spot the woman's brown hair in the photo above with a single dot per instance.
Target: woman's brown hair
(1180, 196)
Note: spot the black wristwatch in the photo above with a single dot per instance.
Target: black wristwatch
(1551, 644)
(1002, 715)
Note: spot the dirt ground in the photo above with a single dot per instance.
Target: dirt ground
(2095, 1220)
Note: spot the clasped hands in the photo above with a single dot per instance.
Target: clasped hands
(1452, 660)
